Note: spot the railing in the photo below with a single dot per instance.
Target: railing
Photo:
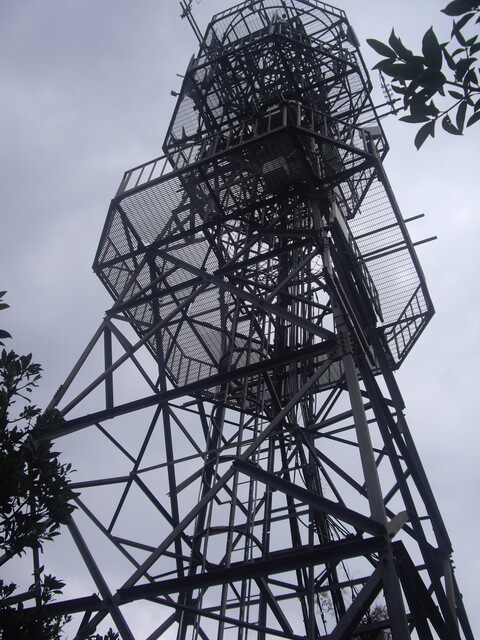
(219, 46)
(357, 254)
(368, 280)
(403, 333)
(221, 15)
(289, 114)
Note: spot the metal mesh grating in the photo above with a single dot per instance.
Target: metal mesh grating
(388, 252)
(258, 133)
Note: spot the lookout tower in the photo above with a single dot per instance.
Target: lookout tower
(251, 474)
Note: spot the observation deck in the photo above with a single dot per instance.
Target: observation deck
(273, 139)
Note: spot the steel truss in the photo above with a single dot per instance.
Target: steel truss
(256, 476)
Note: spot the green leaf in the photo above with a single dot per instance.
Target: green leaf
(52, 583)
(449, 127)
(460, 38)
(4, 334)
(462, 67)
(381, 48)
(432, 109)
(399, 48)
(449, 60)
(431, 50)
(400, 70)
(460, 118)
(474, 49)
(411, 94)
(457, 95)
(415, 119)
(470, 78)
(473, 119)
(431, 79)
(458, 26)
(419, 107)
(459, 7)
(423, 133)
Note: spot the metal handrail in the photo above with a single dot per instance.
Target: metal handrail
(287, 114)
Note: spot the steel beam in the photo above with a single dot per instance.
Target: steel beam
(69, 426)
(281, 562)
(304, 496)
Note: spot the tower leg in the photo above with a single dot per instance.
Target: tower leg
(392, 589)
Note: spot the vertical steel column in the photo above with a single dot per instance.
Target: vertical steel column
(391, 583)
(107, 341)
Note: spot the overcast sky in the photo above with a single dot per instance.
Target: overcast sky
(85, 95)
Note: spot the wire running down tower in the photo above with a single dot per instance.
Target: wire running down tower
(251, 474)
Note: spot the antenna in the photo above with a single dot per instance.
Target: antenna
(187, 13)
(387, 94)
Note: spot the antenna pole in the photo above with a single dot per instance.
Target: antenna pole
(187, 13)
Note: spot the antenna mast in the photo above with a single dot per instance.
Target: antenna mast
(187, 13)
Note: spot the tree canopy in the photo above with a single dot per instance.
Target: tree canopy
(35, 497)
(441, 83)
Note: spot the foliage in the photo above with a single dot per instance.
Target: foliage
(30, 624)
(377, 613)
(19, 623)
(35, 496)
(445, 72)
(3, 305)
(110, 635)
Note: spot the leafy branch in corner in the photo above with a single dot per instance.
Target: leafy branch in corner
(35, 498)
(35, 493)
(443, 82)
(17, 622)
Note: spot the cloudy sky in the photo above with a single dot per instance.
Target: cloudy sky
(85, 95)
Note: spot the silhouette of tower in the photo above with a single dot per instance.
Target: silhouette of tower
(249, 472)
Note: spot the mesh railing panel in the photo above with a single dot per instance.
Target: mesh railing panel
(230, 180)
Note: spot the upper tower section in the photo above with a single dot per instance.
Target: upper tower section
(270, 205)
(261, 54)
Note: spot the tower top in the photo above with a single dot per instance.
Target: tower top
(272, 136)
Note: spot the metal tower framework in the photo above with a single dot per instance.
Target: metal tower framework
(250, 473)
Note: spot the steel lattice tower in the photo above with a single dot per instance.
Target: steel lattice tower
(257, 475)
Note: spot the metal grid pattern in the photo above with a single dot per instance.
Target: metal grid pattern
(193, 344)
(267, 269)
(318, 20)
(183, 204)
(246, 53)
